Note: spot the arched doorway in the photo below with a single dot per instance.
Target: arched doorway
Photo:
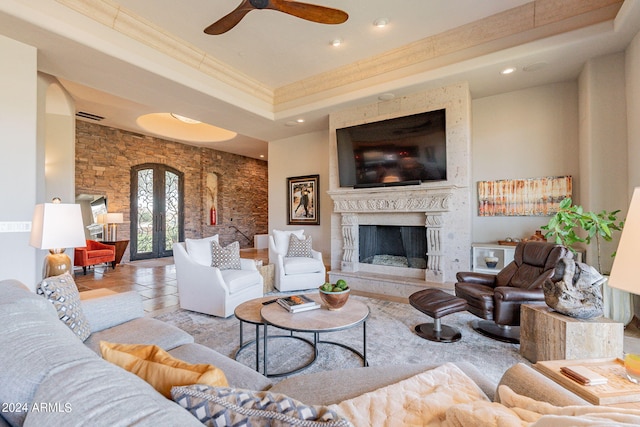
(157, 214)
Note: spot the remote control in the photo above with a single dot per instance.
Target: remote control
(269, 302)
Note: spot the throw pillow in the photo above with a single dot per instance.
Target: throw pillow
(214, 406)
(200, 249)
(281, 239)
(227, 258)
(63, 293)
(159, 368)
(299, 247)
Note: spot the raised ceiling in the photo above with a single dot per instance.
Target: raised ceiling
(123, 59)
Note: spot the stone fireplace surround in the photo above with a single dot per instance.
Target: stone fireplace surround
(442, 208)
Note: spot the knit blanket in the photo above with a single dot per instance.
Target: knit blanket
(447, 397)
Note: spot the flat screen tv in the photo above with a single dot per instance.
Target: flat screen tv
(401, 151)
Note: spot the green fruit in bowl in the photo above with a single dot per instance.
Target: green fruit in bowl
(337, 289)
(342, 284)
(327, 287)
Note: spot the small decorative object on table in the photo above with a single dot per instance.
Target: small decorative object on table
(491, 260)
(335, 296)
(298, 303)
(632, 367)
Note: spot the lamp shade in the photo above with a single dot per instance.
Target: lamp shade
(57, 225)
(624, 272)
(114, 218)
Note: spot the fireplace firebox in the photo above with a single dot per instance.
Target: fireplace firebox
(396, 246)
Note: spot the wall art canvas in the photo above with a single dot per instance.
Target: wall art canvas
(523, 197)
(303, 200)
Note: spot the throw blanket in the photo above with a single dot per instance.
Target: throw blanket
(421, 400)
(447, 397)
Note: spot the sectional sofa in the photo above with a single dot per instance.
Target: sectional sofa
(49, 376)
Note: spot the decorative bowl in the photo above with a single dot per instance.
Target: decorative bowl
(334, 300)
(491, 261)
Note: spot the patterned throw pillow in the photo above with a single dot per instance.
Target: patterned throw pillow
(227, 258)
(299, 247)
(216, 406)
(63, 293)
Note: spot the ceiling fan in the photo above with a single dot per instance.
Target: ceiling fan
(310, 12)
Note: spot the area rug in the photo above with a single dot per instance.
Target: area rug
(390, 340)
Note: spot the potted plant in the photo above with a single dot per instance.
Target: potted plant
(565, 225)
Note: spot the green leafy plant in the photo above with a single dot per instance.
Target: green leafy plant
(565, 226)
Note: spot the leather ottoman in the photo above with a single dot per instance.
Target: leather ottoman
(436, 303)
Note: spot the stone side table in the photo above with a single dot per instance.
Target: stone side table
(548, 335)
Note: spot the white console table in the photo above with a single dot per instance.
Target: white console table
(479, 251)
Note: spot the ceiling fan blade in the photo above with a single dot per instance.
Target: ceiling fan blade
(310, 12)
(230, 20)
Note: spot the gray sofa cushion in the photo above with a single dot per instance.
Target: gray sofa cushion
(96, 393)
(33, 343)
(350, 383)
(526, 381)
(112, 310)
(144, 330)
(238, 375)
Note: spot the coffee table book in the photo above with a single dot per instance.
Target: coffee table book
(618, 388)
(298, 303)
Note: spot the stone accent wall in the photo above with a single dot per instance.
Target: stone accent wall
(105, 156)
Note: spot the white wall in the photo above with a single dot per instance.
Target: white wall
(302, 155)
(528, 133)
(632, 78)
(18, 163)
(603, 145)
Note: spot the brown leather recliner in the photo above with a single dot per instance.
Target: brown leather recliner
(497, 298)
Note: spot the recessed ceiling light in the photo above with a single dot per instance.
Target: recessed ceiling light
(300, 120)
(508, 70)
(535, 66)
(386, 96)
(381, 22)
(184, 119)
(262, 156)
(336, 42)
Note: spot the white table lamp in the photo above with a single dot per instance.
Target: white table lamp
(624, 272)
(57, 226)
(112, 220)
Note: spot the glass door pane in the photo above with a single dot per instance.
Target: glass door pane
(172, 210)
(145, 203)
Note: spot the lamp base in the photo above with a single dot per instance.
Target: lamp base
(56, 263)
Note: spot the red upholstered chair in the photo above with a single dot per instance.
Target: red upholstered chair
(94, 253)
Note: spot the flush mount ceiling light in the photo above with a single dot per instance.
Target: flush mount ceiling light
(381, 22)
(184, 119)
(336, 42)
(169, 125)
(508, 70)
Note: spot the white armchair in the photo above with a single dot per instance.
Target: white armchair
(294, 273)
(209, 290)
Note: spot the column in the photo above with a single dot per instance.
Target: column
(435, 254)
(350, 242)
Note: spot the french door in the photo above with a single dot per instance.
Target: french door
(157, 217)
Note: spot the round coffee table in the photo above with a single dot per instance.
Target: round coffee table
(249, 312)
(352, 314)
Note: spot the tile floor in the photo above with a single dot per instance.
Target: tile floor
(154, 279)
